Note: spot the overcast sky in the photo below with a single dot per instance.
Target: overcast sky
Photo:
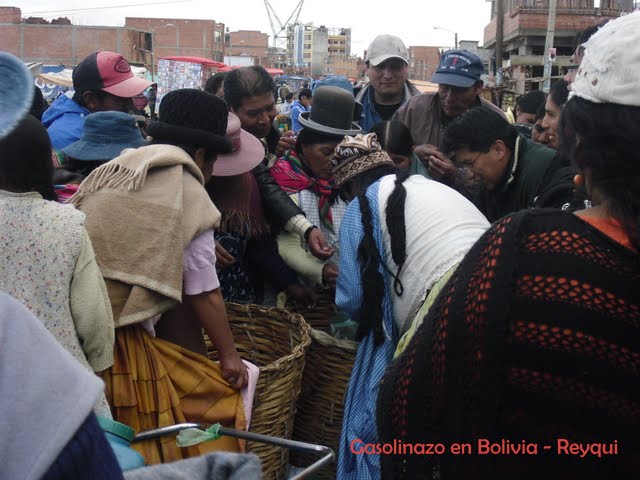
(411, 20)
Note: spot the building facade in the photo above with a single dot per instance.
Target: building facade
(319, 51)
(142, 41)
(61, 43)
(181, 37)
(423, 62)
(524, 32)
(249, 43)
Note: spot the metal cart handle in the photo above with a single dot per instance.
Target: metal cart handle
(326, 459)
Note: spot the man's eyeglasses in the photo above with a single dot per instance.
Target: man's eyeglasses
(469, 163)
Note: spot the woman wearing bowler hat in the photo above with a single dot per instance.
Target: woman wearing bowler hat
(152, 224)
(305, 173)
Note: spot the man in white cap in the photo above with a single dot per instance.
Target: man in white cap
(387, 66)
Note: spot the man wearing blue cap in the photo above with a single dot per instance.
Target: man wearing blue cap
(427, 115)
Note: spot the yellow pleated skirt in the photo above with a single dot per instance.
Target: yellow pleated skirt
(154, 383)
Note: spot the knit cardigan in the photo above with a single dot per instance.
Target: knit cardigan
(49, 266)
(535, 338)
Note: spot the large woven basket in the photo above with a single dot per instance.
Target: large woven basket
(321, 404)
(317, 316)
(276, 341)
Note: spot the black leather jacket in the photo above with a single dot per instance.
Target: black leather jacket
(278, 207)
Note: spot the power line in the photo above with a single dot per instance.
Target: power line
(100, 8)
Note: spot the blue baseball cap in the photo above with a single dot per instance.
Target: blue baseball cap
(104, 136)
(458, 68)
(16, 92)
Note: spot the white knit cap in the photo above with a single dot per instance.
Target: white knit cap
(610, 69)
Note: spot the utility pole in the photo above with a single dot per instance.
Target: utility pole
(548, 44)
(499, 38)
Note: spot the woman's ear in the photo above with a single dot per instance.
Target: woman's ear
(199, 157)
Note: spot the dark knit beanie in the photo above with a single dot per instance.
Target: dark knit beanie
(192, 117)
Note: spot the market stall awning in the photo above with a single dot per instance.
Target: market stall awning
(424, 86)
(204, 61)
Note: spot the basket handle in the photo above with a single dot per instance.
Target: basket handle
(327, 458)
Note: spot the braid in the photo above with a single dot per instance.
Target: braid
(397, 227)
(372, 279)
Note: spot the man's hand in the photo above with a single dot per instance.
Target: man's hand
(287, 142)
(301, 295)
(440, 166)
(234, 371)
(223, 258)
(330, 274)
(318, 245)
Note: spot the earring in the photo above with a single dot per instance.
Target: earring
(578, 180)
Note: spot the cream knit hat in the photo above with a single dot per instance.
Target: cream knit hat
(16, 92)
(610, 69)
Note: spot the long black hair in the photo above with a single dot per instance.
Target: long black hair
(371, 311)
(25, 160)
(605, 138)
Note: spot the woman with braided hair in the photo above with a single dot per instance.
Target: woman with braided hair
(533, 346)
(400, 236)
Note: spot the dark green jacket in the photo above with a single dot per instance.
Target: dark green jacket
(535, 166)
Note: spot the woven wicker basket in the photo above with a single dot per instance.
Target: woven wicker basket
(321, 404)
(276, 341)
(319, 315)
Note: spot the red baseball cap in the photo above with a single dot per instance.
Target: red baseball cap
(110, 72)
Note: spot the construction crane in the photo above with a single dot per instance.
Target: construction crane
(282, 33)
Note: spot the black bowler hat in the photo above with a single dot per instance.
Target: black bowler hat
(331, 112)
(193, 117)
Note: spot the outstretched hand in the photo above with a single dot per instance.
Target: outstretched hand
(318, 245)
(286, 142)
(440, 166)
(330, 274)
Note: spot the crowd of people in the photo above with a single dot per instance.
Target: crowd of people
(487, 259)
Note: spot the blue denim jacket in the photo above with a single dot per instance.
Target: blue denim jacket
(369, 114)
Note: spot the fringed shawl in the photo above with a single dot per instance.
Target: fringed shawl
(240, 203)
(143, 209)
